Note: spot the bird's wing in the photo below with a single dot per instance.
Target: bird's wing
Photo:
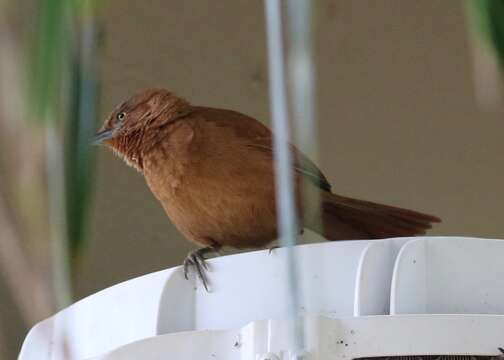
(257, 136)
(302, 164)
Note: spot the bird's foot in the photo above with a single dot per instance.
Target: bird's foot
(197, 260)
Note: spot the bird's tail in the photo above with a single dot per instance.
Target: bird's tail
(346, 218)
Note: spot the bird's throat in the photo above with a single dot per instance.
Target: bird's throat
(128, 148)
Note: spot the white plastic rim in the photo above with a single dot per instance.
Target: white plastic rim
(346, 338)
(425, 275)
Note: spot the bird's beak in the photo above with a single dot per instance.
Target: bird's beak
(103, 135)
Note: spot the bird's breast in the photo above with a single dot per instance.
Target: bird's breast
(228, 199)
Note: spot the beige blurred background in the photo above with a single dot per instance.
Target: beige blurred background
(398, 118)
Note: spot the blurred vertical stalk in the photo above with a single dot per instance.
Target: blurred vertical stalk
(49, 64)
(57, 219)
(284, 175)
(302, 75)
(291, 66)
(80, 130)
(301, 84)
(485, 19)
(44, 181)
(29, 290)
(70, 163)
(28, 286)
(68, 66)
(48, 59)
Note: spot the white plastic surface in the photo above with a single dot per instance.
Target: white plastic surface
(251, 286)
(449, 275)
(374, 276)
(338, 280)
(346, 338)
(113, 317)
(244, 288)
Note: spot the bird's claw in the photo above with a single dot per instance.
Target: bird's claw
(197, 260)
(187, 263)
(271, 249)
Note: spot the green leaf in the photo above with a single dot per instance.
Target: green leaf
(82, 116)
(486, 18)
(47, 59)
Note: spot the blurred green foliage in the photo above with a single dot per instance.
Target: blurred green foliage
(486, 18)
(82, 113)
(48, 58)
(64, 93)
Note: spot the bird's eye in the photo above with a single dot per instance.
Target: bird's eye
(121, 116)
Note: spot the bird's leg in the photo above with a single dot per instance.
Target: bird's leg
(197, 259)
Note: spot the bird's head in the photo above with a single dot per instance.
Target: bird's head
(135, 121)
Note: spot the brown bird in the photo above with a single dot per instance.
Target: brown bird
(212, 171)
